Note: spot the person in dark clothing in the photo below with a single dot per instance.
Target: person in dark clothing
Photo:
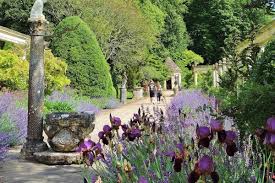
(159, 92)
(152, 90)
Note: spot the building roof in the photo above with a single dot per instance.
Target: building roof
(172, 66)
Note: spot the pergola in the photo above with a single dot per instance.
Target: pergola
(217, 70)
(9, 35)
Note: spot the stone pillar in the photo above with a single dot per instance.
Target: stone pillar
(214, 76)
(196, 78)
(164, 85)
(217, 74)
(25, 52)
(224, 65)
(34, 139)
(123, 95)
(220, 68)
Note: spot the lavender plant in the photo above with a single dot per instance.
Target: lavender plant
(13, 118)
(4, 143)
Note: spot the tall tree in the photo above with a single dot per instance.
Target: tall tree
(217, 26)
(174, 37)
(123, 33)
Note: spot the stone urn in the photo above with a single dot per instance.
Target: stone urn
(138, 92)
(66, 130)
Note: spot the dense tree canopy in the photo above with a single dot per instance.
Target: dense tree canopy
(15, 13)
(217, 26)
(122, 32)
(88, 71)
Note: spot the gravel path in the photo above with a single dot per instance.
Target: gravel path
(17, 170)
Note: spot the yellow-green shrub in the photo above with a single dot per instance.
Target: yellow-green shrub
(13, 71)
(55, 75)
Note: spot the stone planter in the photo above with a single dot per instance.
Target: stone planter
(138, 93)
(66, 130)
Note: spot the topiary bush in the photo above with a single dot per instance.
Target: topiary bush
(87, 68)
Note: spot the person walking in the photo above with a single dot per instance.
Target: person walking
(152, 90)
(159, 92)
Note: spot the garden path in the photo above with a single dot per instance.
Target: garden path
(16, 170)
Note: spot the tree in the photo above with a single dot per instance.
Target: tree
(87, 69)
(174, 37)
(123, 33)
(189, 57)
(14, 14)
(217, 26)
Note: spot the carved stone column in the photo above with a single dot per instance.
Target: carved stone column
(35, 141)
(214, 75)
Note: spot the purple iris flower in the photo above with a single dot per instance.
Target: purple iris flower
(116, 122)
(204, 135)
(86, 145)
(107, 129)
(101, 134)
(133, 134)
(270, 125)
(203, 132)
(267, 135)
(230, 137)
(205, 166)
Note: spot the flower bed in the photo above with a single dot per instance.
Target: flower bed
(155, 148)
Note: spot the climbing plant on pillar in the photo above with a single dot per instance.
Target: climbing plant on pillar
(87, 68)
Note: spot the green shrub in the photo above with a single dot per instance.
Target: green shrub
(253, 105)
(88, 70)
(130, 95)
(57, 106)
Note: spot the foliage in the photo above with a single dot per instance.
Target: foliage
(50, 107)
(174, 37)
(205, 81)
(13, 71)
(123, 33)
(184, 63)
(247, 88)
(221, 24)
(14, 14)
(252, 107)
(55, 75)
(264, 69)
(68, 102)
(150, 73)
(88, 71)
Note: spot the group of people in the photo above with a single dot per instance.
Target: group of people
(155, 91)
